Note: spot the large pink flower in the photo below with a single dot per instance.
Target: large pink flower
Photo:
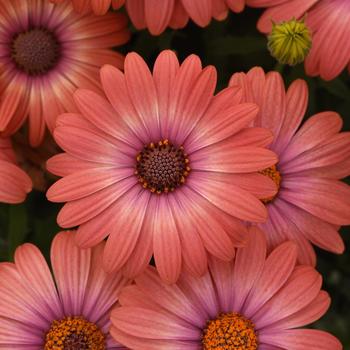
(311, 203)
(71, 311)
(329, 22)
(46, 51)
(99, 7)
(14, 182)
(163, 166)
(157, 15)
(253, 303)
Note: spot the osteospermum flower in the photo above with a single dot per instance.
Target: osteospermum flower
(157, 15)
(329, 24)
(311, 203)
(253, 303)
(70, 311)
(99, 7)
(163, 166)
(47, 51)
(14, 182)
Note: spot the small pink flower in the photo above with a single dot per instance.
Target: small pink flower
(47, 51)
(99, 7)
(14, 182)
(311, 202)
(163, 166)
(329, 23)
(70, 311)
(255, 302)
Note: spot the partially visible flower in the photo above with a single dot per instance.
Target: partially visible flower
(252, 303)
(99, 7)
(290, 42)
(311, 202)
(71, 311)
(157, 15)
(33, 160)
(47, 51)
(329, 23)
(14, 182)
(162, 166)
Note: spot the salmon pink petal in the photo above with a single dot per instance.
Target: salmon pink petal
(102, 289)
(142, 91)
(194, 255)
(232, 160)
(296, 104)
(300, 339)
(90, 181)
(21, 304)
(333, 151)
(82, 210)
(248, 270)
(153, 324)
(221, 126)
(309, 314)
(100, 7)
(136, 12)
(282, 12)
(130, 212)
(236, 5)
(64, 164)
(277, 268)
(113, 82)
(196, 104)
(71, 267)
(302, 287)
(256, 137)
(164, 74)
(236, 202)
(317, 129)
(186, 77)
(100, 113)
(315, 229)
(158, 15)
(218, 244)
(169, 297)
(15, 183)
(324, 198)
(199, 10)
(166, 242)
(34, 270)
(142, 253)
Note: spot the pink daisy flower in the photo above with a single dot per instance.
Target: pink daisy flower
(311, 203)
(14, 182)
(163, 166)
(252, 303)
(329, 22)
(46, 51)
(157, 15)
(71, 311)
(99, 7)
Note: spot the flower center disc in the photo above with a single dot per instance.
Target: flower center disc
(36, 51)
(275, 176)
(74, 333)
(162, 167)
(230, 331)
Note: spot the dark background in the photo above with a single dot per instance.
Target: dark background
(231, 46)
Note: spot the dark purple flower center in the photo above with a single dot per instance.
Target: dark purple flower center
(35, 51)
(162, 167)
